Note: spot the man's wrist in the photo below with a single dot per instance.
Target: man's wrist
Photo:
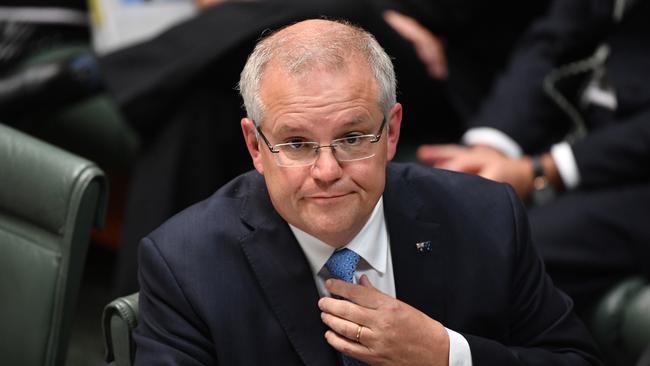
(545, 179)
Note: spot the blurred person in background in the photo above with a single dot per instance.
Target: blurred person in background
(568, 126)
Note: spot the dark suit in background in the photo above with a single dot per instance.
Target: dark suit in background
(594, 235)
(225, 282)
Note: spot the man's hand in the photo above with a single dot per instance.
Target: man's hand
(392, 332)
(481, 160)
(429, 48)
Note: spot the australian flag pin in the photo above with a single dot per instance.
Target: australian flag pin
(423, 247)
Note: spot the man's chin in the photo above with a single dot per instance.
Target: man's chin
(331, 224)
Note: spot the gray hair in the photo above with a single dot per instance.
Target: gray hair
(299, 52)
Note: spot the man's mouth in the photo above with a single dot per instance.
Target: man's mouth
(327, 197)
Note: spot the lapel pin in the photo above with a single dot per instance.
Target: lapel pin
(423, 247)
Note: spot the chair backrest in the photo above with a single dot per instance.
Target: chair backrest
(49, 202)
(119, 319)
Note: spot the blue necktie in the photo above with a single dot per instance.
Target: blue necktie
(342, 265)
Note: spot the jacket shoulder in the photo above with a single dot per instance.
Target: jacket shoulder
(218, 215)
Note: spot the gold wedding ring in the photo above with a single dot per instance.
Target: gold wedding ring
(358, 338)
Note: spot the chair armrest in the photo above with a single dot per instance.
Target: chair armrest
(119, 319)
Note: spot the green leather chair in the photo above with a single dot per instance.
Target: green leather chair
(49, 202)
(620, 323)
(119, 319)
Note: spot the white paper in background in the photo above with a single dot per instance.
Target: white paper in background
(120, 23)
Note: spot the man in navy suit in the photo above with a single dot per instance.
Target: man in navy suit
(442, 270)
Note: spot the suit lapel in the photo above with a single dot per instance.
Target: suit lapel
(416, 249)
(286, 279)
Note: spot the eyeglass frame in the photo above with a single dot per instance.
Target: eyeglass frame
(333, 147)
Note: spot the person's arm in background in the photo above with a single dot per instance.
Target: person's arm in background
(619, 154)
(518, 116)
(518, 105)
(427, 24)
(429, 48)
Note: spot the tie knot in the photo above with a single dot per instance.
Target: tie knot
(342, 264)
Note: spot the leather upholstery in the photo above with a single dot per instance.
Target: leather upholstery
(119, 319)
(49, 201)
(621, 323)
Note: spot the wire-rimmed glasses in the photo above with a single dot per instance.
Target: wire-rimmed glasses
(304, 153)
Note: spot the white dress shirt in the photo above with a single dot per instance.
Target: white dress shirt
(373, 246)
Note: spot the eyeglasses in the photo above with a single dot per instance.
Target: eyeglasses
(303, 153)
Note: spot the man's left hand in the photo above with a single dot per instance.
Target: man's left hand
(379, 330)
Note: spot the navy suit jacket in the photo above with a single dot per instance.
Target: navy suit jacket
(226, 283)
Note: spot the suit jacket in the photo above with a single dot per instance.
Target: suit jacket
(225, 281)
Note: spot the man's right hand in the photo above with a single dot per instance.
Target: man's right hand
(380, 330)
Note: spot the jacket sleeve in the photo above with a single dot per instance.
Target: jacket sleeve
(618, 154)
(543, 329)
(169, 330)
(517, 104)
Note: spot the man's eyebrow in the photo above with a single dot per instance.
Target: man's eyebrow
(290, 129)
(354, 122)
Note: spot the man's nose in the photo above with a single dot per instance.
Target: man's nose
(326, 167)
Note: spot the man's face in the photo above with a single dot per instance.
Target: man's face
(331, 200)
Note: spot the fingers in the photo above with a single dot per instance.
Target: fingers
(465, 165)
(346, 310)
(404, 25)
(346, 346)
(348, 329)
(365, 282)
(456, 157)
(436, 154)
(365, 296)
(432, 54)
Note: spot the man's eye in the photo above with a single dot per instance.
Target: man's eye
(351, 140)
(296, 144)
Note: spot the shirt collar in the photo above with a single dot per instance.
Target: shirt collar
(371, 243)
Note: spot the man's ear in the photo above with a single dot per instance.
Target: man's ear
(252, 144)
(392, 133)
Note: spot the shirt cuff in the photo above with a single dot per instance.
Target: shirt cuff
(566, 164)
(493, 137)
(459, 352)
